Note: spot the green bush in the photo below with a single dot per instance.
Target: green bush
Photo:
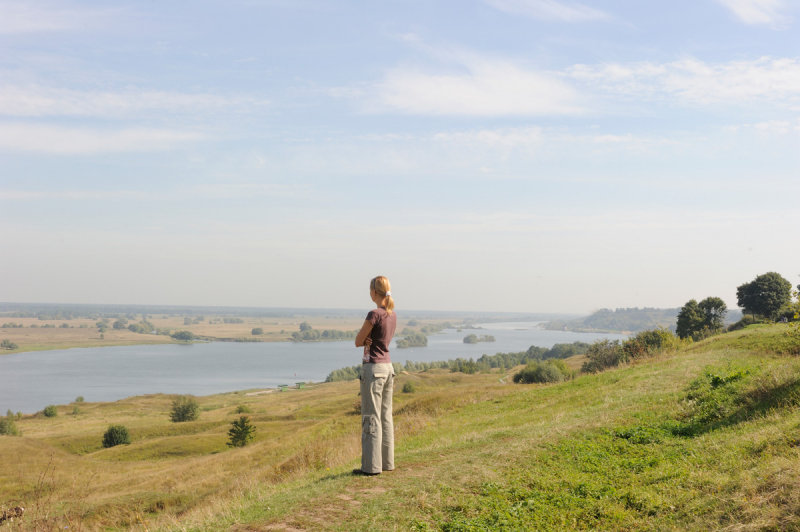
(241, 432)
(50, 411)
(183, 336)
(548, 371)
(409, 387)
(256, 331)
(76, 410)
(79, 399)
(649, 343)
(243, 409)
(184, 408)
(116, 435)
(8, 344)
(603, 354)
(746, 320)
(8, 427)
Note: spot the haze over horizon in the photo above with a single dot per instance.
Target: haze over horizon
(537, 156)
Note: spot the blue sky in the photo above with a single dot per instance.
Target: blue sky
(497, 155)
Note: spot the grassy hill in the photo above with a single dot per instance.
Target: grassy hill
(707, 437)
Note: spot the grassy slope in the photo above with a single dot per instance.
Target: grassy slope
(625, 449)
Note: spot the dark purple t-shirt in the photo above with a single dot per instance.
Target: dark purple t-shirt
(383, 325)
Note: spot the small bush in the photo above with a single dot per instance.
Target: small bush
(409, 387)
(50, 411)
(257, 331)
(746, 320)
(241, 432)
(116, 435)
(8, 427)
(548, 371)
(184, 408)
(603, 354)
(183, 336)
(649, 343)
(76, 410)
(79, 399)
(243, 409)
(8, 344)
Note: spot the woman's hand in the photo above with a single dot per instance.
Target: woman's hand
(363, 335)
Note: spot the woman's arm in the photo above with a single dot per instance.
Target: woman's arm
(362, 338)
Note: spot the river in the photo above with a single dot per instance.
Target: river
(30, 381)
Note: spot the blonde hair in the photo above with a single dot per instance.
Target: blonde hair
(381, 286)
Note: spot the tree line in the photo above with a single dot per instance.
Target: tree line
(767, 297)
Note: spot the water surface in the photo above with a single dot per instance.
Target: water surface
(30, 381)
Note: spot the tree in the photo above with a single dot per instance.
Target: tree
(257, 331)
(121, 323)
(690, 319)
(764, 295)
(695, 317)
(183, 336)
(241, 432)
(8, 344)
(305, 326)
(714, 311)
(116, 435)
(184, 408)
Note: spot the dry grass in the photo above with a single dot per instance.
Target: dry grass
(467, 445)
(59, 470)
(84, 333)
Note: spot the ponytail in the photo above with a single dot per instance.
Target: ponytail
(381, 286)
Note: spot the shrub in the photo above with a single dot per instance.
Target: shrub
(649, 343)
(603, 354)
(8, 427)
(547, 371)
(116, 435)
(8, 344)
(79, 399)
(50, 411)
(76, 410)
(183, 336)
(409, 387)
(241, 432)
(746, 320)
(257, 331)
(184, 408)
(243, 409)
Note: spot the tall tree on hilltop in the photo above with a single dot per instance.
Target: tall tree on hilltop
(690, 319)
(714, 311)
(764, 295)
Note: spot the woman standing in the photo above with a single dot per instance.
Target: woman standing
(377, 381)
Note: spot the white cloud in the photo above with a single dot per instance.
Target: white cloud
(95, 195)
(20, 17)
(755, 12)
(248, 190)
(35, 100)
(548, 10)
(476, 86)
(498, 138)
(69, 140)
(769, 127)
(768, 80)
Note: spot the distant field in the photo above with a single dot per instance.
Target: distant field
(83, 332)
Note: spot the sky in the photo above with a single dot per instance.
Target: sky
(485, 155)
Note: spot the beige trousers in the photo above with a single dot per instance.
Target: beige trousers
(377, 426)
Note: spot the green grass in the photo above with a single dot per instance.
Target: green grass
(707, 437)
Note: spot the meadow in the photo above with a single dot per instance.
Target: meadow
(703, 437)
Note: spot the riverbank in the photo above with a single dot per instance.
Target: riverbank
(33, 334)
